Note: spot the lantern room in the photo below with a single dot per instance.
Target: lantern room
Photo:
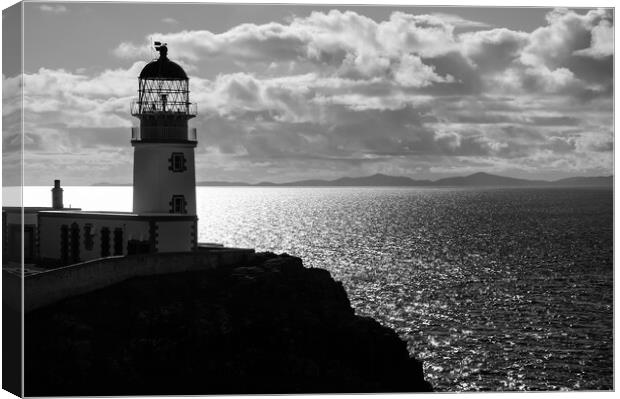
(163, 105)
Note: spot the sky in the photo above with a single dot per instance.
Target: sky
(290, 92)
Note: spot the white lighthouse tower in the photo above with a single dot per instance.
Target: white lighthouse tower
(164, 178)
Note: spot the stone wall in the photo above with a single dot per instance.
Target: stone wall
(45, 288)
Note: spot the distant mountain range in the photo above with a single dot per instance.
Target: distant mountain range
(475, 180)
(480, 179)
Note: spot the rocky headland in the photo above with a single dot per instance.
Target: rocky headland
(268, 326)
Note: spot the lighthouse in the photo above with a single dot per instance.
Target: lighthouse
(164, 178)
(164, 185)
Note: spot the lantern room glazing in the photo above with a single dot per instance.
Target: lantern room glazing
(163, 104)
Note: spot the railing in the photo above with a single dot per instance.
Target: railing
(164, 133)
(138, 108)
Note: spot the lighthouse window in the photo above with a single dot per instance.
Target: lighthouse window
(74, 243)
(178, 204)
(64, 244)
(177, 162)
(118, 241)
(88, 236)
(105, 242)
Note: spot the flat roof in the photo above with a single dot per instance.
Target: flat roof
(81, 212)
(33, 209)
(115, 215)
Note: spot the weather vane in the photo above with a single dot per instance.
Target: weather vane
(162, 48)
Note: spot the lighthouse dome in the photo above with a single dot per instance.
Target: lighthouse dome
(163, 68)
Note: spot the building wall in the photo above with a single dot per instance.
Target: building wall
(159, 233)
(14, 232)
(175, 236)
(154, 183)
(16, 217)
(50, 235)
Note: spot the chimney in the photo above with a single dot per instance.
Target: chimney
(57, 195)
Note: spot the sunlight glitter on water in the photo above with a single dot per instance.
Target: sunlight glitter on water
(470, 279)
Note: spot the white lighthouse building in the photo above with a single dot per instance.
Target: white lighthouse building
(164, 179)
(164, 186)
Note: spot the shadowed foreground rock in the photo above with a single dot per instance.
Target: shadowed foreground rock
(271, 326)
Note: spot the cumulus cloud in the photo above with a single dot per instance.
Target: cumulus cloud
(354, 43)
(602, 43)
(11, 130)
(11, 94)
(557, 50)
(411, 50)
(493, 50)
(461, 23)
(77, 100)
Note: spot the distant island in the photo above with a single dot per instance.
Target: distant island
(480, 179)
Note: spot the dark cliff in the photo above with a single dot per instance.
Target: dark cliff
(271, 326)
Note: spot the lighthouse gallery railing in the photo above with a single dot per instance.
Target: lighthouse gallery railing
(164, 133)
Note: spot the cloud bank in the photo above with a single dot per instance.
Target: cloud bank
(337, 93)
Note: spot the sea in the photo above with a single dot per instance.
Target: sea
(493, 289)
